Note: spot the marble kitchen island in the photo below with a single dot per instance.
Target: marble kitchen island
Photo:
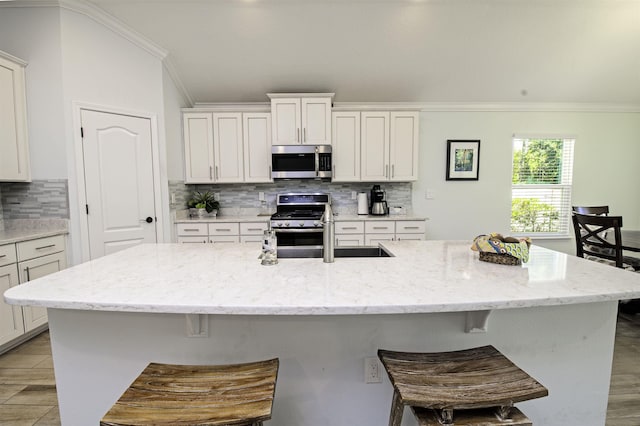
(202, 304)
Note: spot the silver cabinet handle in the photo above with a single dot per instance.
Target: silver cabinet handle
(210, 172)
(190, 229)
(393, 170)
(223, 229)
(298, 135)
(45, 247)
(304, 135)
(254, 229)
(216, 172)
(386, 170)
(410, 227)
(349, 227)
(26, 270)
(380, 227)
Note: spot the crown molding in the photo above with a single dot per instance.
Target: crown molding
(169, 65)
(488, 107)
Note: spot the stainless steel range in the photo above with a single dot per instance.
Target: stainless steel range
(297, 219)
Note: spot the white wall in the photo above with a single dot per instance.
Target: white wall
(105, 69)
(605, 168)
(33, 34)
(173, 101)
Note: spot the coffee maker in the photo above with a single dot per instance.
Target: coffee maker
(377, 203)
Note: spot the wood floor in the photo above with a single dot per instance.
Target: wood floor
(27, 384)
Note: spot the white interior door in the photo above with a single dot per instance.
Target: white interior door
(118, 170)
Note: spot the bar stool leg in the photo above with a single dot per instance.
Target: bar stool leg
(397, 410)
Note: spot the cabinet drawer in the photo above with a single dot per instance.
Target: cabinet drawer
(251, 239)
(409, 237)
(410, 226)
(253, 228)
(224, 229)
(379, 227)
(35, 248)
(350, 227)
(374, 239)
(221, 239)
(187, 229)
(7, 254)
(196, 239)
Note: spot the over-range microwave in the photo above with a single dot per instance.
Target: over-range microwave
(301, 162)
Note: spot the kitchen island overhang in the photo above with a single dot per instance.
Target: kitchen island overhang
(555, 317)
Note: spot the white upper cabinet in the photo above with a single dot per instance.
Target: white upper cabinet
(403, 146)
(257, 146)
(14, 147)
(228, 150)
(346, 146)
(389, 146)
(375, 146)
(198, 147)
(303, 118)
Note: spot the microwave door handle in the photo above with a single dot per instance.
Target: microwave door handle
(317, 163)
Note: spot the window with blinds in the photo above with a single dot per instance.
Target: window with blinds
(541, 186)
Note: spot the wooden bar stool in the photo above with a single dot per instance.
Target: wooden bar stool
(481, 380)
(211, 395)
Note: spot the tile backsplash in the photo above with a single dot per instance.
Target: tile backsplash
(39, 199)
(1, 214)
(243, 196)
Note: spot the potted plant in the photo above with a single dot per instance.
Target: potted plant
(201, 202)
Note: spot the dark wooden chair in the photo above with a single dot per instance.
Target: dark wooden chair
(599, 238)
(211, 395)
(470, 387)
(597, 210)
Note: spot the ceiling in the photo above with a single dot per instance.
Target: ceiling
(487, 51)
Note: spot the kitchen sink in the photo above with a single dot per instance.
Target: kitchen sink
(316, 252)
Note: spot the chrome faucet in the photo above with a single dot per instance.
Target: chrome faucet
(328, 234)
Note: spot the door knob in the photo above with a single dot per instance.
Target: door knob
(149, 219)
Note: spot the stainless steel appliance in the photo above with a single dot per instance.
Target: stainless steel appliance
(297, 220)
(301, 162)
(377, 202)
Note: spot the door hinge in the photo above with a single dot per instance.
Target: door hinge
(87, 207)
(81, 132)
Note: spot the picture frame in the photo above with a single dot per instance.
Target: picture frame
(463, 159)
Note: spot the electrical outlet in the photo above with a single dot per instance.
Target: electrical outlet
(260, 196)
(429, 194)
(354, 195)
(173, 198)
(372, 370)
(216, 196)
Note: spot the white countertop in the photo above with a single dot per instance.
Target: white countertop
(25, 230)
(424, 276)
(256, 218)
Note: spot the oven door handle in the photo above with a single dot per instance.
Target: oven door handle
(297, 230)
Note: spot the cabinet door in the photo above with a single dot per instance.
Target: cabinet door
(350, 240)
(374, 239)
(198, 147)
(316, 121)
(374, 147)
(403, 154)
(257, 147)
(346, 146)
(286, 122)
(36, 268)
(11, 322)
(227, 142)
(14, 149)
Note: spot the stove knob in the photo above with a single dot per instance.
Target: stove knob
(301, 224)
(279, 224)
(287, 224)
(317, 223)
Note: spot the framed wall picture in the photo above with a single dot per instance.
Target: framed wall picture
(463, 159)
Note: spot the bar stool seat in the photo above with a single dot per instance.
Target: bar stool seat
(212, 395)
(475, 378)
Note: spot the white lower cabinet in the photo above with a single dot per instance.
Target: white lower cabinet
(11, 321)
(22, 262)
(349, 233)
(372, 232)
(221, 232)
(252, 232)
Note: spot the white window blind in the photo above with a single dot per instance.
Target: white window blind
(541, 186)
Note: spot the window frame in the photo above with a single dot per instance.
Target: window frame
(565, 186)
